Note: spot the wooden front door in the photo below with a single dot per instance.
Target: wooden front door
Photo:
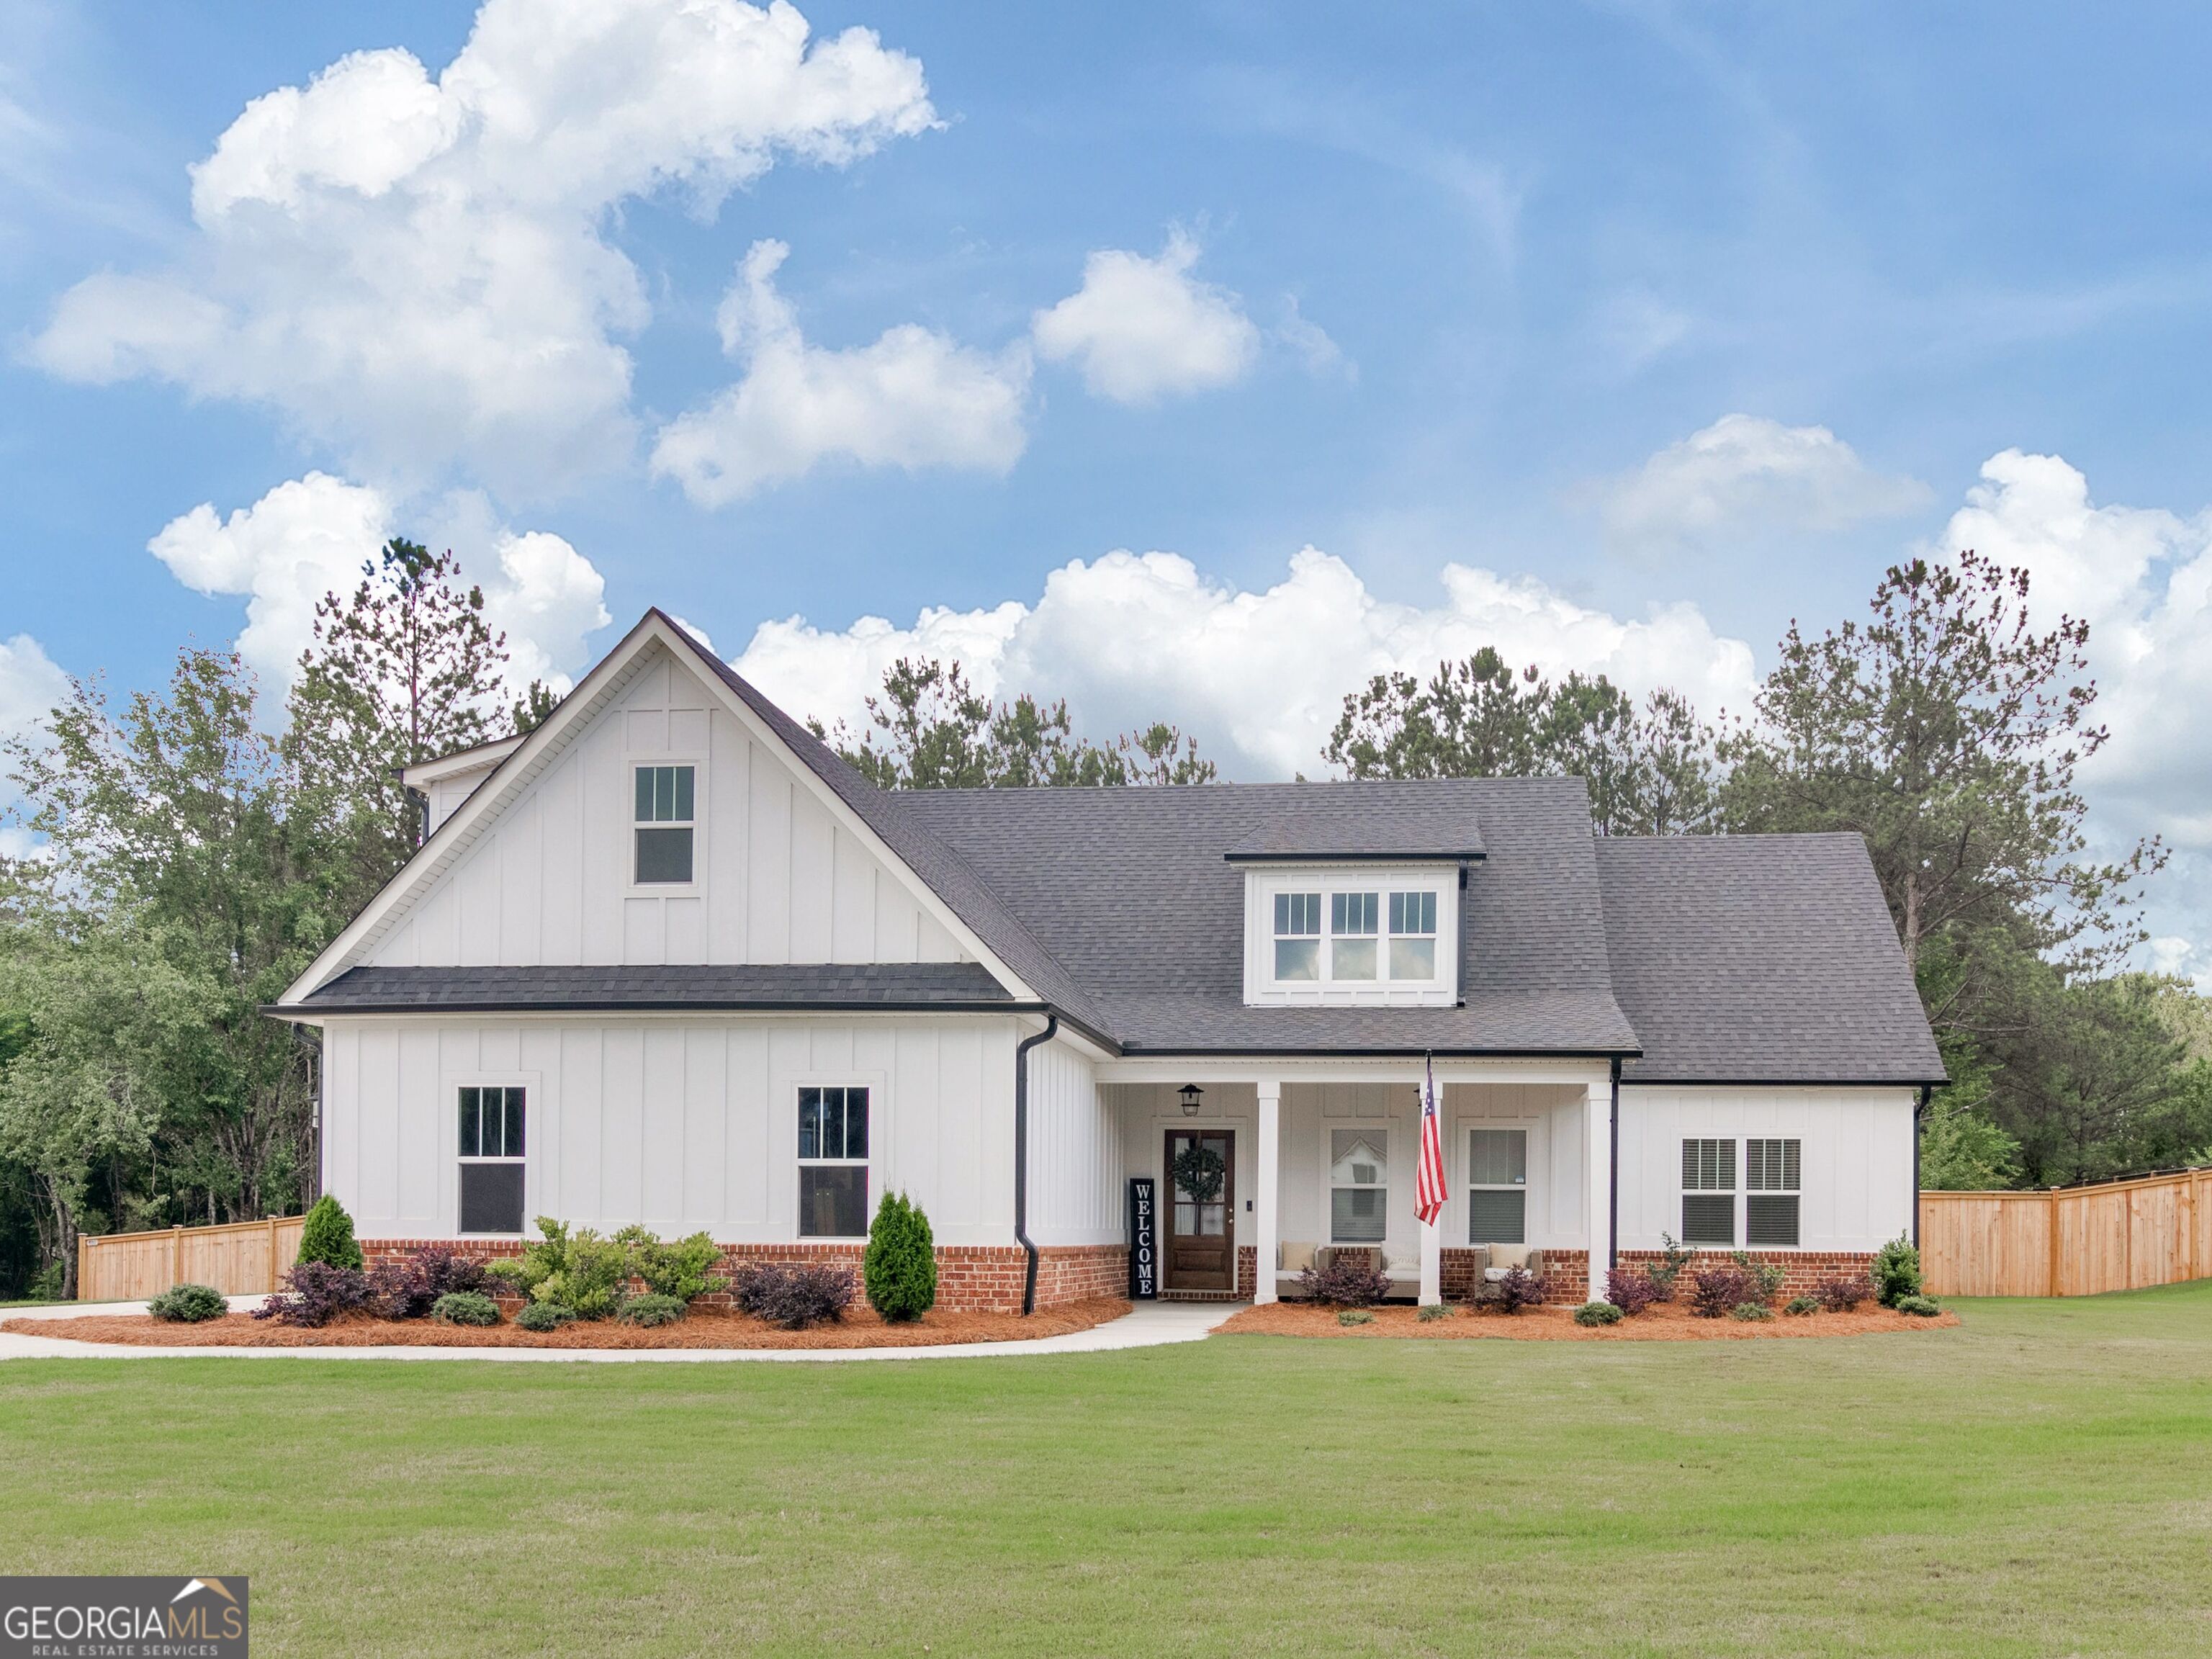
(1201, 1236)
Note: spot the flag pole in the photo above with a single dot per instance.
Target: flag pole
(1430, 1186)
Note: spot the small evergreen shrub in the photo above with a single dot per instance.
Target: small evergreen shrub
(315, 1293)
(650, 1309)
(1347, 1282)
(1799, 1306)
(410, 1289)
(188, 1304)
(1631, 1289)
(1666, 1274)
(792, 1296)
(582, 1271)
(542, 1316)
(1432, 1311)
(1354, 1316)
(1844, 1293)
(678, 1269)
(1751, 1311)
(464, 1308)
(1717, 1291)
(326, 1236)
(1923, 1307)
(1896, 1272)
(1597, 1313)
(1770, 1277)
(900, 1269)
(1518, 1289)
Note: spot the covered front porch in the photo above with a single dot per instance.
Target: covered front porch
(1296, 1158)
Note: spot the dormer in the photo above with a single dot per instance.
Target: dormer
(1356, 914)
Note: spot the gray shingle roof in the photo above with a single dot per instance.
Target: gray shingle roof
(1411, 829)
(1760, 959)
(801, 985)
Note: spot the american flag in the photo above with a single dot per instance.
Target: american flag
(1429, 1184)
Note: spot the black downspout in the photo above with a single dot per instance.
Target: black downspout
(1919, 1112)
(1612, 1180)
(1022, 1158)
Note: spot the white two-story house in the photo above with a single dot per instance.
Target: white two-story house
(667, 959)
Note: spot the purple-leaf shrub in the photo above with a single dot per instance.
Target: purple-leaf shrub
(793, 1296)
(315, 1293)
(410, 1289)
(1631, 1289)
(1348, 1281)
(1716, 1292)
(1842, 1293)
(1518, 1289)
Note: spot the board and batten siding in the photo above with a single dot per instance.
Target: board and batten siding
(681, 1124)
(1078, 1191)
(1855, 1162)
(779, 879)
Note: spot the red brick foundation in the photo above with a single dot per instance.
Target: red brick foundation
(970, 1277)
(1801, 1270)
(1565, 1276)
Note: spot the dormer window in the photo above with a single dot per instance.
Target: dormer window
(1413, 935)
(664, 825)
(1297, 936)
(1352, 936)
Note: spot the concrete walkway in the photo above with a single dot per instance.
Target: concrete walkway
(1149, 1325)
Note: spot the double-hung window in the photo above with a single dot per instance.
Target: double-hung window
(1497, 1186)
(1359, 1186)
(1351, 918)
(491, 1159)
(1297, 936)
(664, 825)
(1709, 1192)
(1770, 1192)
(833, 1162)
(1413, 935)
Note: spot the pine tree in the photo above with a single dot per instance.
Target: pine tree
(326, 1235)
(899, 1270)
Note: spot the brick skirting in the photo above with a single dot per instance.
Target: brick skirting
(970, 1277)
(1801, 1270)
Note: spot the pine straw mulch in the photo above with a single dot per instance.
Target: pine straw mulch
(703, 1328)
(1664, 1322)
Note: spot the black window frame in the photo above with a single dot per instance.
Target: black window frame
(826, 1179)
(491, 1185)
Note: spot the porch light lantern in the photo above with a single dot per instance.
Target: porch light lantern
(1190, 1092)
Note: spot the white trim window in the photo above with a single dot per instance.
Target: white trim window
(1413, 935)
(1297, 937)
(1770, 1170)
(1351, 930)
(491, 1156)
(1708, 1193)
(665, 825)
(1349, 936)
(1497, 1185)
(833, 1160)
(1359, 1185)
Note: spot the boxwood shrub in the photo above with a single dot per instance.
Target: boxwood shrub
(650, 1309)
(188, 1304)
(1597, 1313)
(542, 1316)
(464, 1308)
(1922, 1307)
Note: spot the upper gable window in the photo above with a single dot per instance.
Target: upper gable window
(664, 824)
(1349, 936)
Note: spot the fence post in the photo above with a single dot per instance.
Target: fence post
(176, 1255)
(84, 1263)
(272, 1256)
(2051, 1199)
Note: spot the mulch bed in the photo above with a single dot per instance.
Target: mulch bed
(704, 1327)
(1666, 1323)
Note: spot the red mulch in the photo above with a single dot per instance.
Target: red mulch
(703, 1328)
(1664, 1322)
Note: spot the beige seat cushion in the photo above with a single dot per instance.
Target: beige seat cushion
(1402, 1263)
(1297, 1257)
(1503, 1256)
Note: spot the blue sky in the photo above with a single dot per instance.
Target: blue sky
(1618, 334)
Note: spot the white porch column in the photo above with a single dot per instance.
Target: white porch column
(1599, 1117)
(1267, 1159)
(1433, 1262)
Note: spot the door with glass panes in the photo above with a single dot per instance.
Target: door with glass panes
(1201, 1240)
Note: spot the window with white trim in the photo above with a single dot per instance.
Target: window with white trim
(1709, 1192)
(1770, 1192)
(1497, 1185)
(1297, 936)
(1359, 1186)
(491, 1159)
(1352, 929)
(664, 825)
(833, 1162)
(1413, 935)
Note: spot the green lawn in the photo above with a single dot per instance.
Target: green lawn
(2038, 1482)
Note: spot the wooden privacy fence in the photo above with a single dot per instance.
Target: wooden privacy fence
(2071, 1241)
(238, 1260)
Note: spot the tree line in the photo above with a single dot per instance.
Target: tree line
(197, 856)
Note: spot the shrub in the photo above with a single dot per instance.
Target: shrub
(542, 1316)
(1802, 1305)
(1666, 1272)
(650, 1309)
(792, 1296)
(410, 1289)
(464, 1308)
(1629, 1290)
(1770, 1277)
(1717, 1291)
(1518, 1289)
(1347, 1282)
(1749, 1310)
(900, 1268)
(1843, 1293)
(679, 1269)
(1354, 1316)
(188, 1304)
(1923, 1307)
(1433, 1310)
(1896, 1272)
(580, 1271)
(315, 1293)
(326, 1236)
(1597, 1313)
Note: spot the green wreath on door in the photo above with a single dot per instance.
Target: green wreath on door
(1199, 1172)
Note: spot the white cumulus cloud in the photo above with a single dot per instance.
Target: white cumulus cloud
(417, 270)
(32, 685)
(312, 536)
(1746, 472)
(1141, 329)
(915, 398)
(1258, 677)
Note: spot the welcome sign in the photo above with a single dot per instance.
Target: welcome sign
(1144, 1244)
(49, 1617)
